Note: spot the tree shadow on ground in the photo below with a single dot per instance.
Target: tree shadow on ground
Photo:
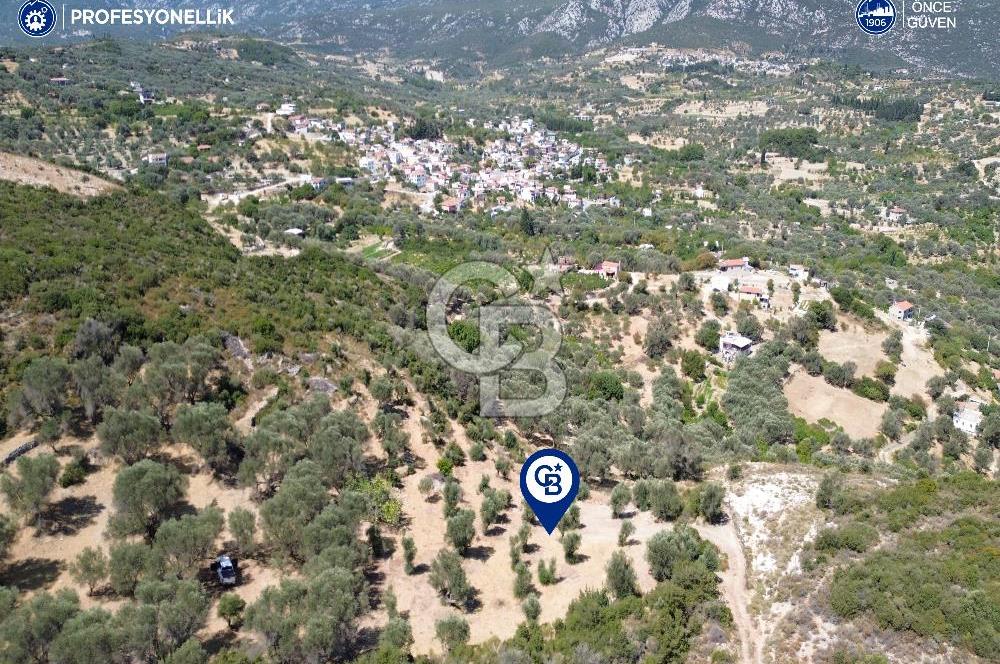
(31, 573)
(70, 515)
(481, 553)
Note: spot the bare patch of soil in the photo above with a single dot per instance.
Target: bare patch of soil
(38, 173)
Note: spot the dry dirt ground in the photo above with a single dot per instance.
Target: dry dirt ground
(735, 590)
(261, 248)
(812, 398)
(487, 564)
(659, 140)
(786, 169)
(37, 173)
(77, 518)
(917, 364)
(722, 109)
(854, 344)
(774, 514)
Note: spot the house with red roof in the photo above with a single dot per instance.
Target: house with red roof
(902, 310)
(734, 264)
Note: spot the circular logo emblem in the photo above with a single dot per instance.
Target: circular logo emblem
(549, 479)
(37, 18)
(876, 17)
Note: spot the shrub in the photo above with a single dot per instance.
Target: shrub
(869, 388)
(620, 497)
(605, 385)
(625, 532)
(449, 579)
(641, 494)
(461, 529)
(571, 545)
(665, 501)
(73, 473)
(570, 520)
(547, 573)
(665, 551)
(409, 554)
(857, 537)
(532, 608)
(710, 502)
(231, 608)
(621, 579)
(452, 632)
(693, 365)
(522, 581)
(708, 335)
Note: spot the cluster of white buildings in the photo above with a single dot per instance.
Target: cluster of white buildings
(520, 165)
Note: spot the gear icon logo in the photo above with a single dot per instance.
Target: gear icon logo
(37, 18)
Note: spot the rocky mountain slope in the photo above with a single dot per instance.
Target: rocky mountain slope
(469, 29)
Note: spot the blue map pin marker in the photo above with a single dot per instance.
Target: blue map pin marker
(549, 482)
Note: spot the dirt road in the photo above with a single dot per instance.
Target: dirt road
(734, 588)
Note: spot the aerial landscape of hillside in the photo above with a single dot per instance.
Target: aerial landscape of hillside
(287, 311)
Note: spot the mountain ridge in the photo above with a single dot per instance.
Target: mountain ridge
(450, 29)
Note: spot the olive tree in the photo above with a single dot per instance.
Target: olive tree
(621, 580)
(129, 434)
(448, 578)
(141, 493)
(710, 502)
(90, 568)
(44, 385)
(181, 543)
(243, 527)
(28, 491)
(452, 632)
(461, 529)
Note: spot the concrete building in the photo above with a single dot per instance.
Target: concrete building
(968, 416)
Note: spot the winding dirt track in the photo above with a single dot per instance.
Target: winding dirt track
(734, 588)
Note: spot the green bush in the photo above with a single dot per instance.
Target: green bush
(73, 473)
(858, 537)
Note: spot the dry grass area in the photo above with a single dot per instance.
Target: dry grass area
(812, 398)
(38, 173)
(853, 343)
(659, 140)
(917, 364)
(722, 109)
(260, 248)
(786, 169)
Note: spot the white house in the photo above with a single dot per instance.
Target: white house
(968, 416)
(895, 214)
(798, 272)
(732, 346)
